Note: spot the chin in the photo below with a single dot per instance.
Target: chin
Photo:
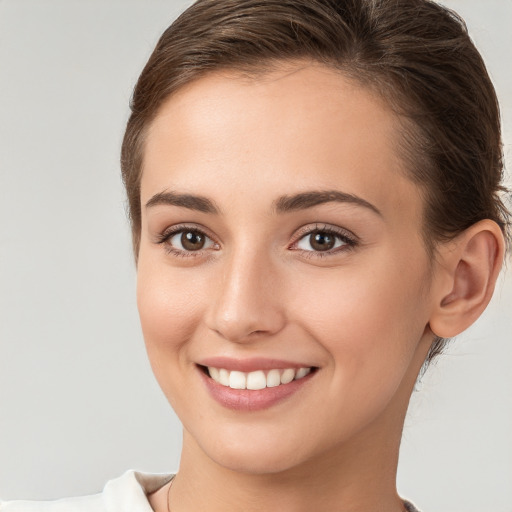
(254, 462)
(254, 454)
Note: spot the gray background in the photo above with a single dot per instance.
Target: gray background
(78, 403)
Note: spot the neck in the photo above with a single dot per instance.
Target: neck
(354, 478)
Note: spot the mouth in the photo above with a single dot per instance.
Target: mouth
(256, 380)
(256, 389)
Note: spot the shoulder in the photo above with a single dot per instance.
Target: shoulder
(127, 493)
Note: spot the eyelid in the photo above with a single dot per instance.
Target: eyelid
(164, 237)
(320, 226)
(183, 226)
(350, 239)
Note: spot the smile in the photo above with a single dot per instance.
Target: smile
(248, 385)
(258, 379)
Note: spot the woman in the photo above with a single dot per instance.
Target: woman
(313, 190)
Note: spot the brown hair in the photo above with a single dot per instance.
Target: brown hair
(414, 53)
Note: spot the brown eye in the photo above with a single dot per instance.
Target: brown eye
(192, 240)
(321, 241)
(324, 240)
(189, 240)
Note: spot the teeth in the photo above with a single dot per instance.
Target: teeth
(273, 378)
(237, 380)
(223, 377)
(302, 372)
(287, 376)
(214, 374)
(258, 379)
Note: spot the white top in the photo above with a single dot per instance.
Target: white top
(128, 493)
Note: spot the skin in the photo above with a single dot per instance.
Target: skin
(361, 314)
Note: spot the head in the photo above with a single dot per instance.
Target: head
(416, 55)
(386, 103)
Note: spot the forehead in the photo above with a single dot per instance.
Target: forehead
(297, 127)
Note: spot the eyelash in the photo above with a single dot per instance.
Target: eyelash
(163, 239)
(348, 239)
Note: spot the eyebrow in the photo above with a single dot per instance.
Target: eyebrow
(306, 200)
(192, 202)
(283, 204)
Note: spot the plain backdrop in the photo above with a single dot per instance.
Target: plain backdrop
(78, 402)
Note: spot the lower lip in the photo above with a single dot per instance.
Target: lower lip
(252, 400)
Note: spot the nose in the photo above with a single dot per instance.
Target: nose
(246, 302)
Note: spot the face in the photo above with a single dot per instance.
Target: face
(280, 240)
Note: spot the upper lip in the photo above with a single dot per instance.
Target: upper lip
(250, 364)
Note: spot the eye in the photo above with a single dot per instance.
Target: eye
(325, 240)
(181, 240)
(189, 240)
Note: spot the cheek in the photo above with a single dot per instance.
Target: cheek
(169, 308)
(369, 319)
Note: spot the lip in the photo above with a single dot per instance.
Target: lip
(246, 399)
(251, 364)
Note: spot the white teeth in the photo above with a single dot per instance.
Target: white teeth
(214, 373)
(302, 372)
(287, 376)
(237, 380)
(273, 378)
(223, 377)
(257, 379)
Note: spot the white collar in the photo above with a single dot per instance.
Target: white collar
(129, 492)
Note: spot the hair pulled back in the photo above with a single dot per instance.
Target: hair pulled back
(415, 53)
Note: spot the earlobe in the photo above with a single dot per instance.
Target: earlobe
(471, 265)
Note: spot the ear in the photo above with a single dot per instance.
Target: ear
(466, 276)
